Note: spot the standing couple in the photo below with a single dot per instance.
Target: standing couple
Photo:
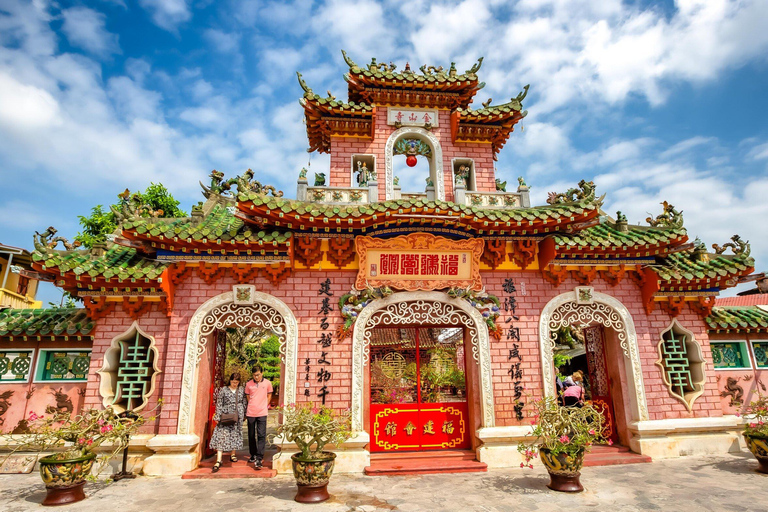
(236, 404)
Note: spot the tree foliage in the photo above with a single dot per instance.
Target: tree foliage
(100, 223)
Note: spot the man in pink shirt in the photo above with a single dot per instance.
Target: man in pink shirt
(258, 392)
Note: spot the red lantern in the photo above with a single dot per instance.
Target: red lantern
(411, 161)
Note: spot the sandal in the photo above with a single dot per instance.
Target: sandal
(233, 458)
(216, 467)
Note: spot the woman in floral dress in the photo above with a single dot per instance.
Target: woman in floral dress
(225, 438)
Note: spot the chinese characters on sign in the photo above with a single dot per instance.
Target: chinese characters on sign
(325, 341)
(412, 117)
(513, 334)
(422, 265)
(419, 261)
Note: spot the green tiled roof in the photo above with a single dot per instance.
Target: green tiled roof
(117, 261)
(291, 206)
(380, 71)
(219, 224)
(687, 266)
(493, 110)
(352, 107)
(45, 322)
(606, 235)
(736, 318)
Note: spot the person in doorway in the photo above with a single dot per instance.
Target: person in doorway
(573, 396)
(229, 417)
(259, 393)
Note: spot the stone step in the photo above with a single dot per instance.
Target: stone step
(239, 469)
(613, 455)
(424, 463)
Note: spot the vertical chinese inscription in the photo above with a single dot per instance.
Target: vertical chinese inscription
(513, 335)
(325, 341)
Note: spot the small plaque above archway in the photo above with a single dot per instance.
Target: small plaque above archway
(419, 261)
(424, 117)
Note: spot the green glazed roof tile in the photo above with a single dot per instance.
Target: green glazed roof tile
(45, 322)
(737, 318)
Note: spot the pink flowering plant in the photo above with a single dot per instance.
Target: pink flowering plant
(562, 429)
(312, 427)
(79, 435)
(756, 416)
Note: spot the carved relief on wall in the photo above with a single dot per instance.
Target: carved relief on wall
(419, 261)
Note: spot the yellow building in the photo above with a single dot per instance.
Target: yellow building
(17, 290)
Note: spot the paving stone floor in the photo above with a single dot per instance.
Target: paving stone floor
(726, 483)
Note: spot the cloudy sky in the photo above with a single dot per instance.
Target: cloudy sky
(652, 100)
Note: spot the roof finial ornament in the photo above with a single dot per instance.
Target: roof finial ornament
(586, 191)
(303, 84)
(408, 68)
(349, 61)
(476, 67)
(487, 103)
(452, 71)
(330, 95)
(46, 240)
(669, 218)
(738, 246)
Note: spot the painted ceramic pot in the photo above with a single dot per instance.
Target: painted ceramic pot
(312, 476)
(64, 479)
(758, 445)
(564, 470)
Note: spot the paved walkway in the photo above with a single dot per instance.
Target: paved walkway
(686, 484)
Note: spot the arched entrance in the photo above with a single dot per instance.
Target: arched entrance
(424, 309)
(585, 307)
(435, 162)
(221, 312)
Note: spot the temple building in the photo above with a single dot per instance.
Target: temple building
(436, 316)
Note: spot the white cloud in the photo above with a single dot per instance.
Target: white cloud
(686, 145)
(360, 27)
(224, 42)
(86, 29)
(25, 107)
(167, 14)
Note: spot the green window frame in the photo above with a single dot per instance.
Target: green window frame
(730, 355)
(760, 351)
(16, 365)
(63, 365)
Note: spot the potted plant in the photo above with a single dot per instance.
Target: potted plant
(312, 428)
(562, 435)
(756, 430)
(64, 472)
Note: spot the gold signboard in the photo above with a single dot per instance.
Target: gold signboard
(419, 261)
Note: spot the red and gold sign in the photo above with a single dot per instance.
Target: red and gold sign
(419, 261)
(419, 427)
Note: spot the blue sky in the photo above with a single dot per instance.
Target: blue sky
(653, 100)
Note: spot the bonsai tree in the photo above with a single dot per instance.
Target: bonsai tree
(312, 428)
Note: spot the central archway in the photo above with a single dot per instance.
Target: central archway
(420, 308)
(435, 163)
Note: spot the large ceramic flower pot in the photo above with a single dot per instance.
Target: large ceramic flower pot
(64, 479)
(564, 470)
(758, 445)
(312, 476)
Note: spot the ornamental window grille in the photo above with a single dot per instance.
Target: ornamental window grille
(62, 365)
(681, 363)
(760, 350)
(731, 355)
(130, 370)
(15, 365)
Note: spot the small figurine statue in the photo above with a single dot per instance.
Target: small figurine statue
(620, 217)
(521, 182)
(362, 174)
(303, 173)
(396, 181)
(430, 183)
(320, 179)
(501, 186)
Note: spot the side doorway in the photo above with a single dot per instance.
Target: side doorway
(418, 391)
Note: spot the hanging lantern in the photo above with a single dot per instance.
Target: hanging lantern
(411, 161)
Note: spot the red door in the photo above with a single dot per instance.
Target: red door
(418, 389)
(599, 381)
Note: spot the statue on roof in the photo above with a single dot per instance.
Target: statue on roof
(216, 186)
(669, 218)
(320, 179)
(521, 182)
(738, 246)
(303, 173)
(501, 186)
(46, 240)
(586, 191)
(620, 217)
(363, 175)
(517, 102)
(475, 67)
